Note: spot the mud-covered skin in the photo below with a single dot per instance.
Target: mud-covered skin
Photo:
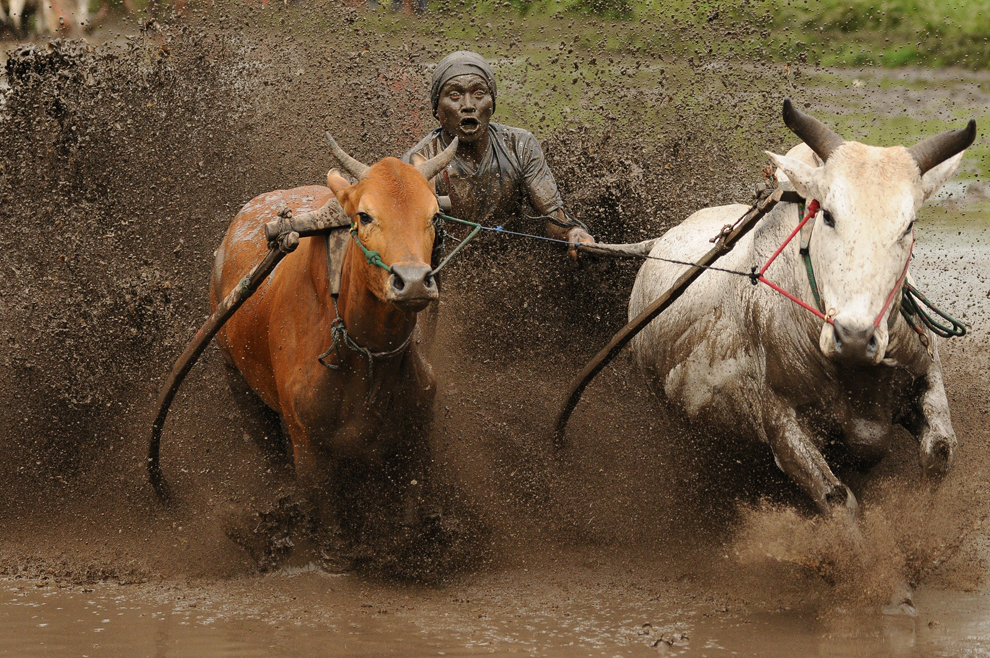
(745, 363)
(497, 167)
(335, 416)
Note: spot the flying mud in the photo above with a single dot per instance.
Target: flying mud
(121, 166)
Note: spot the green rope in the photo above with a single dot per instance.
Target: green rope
(471, 236)
(373, 257)
(806, 255)
(911, 308)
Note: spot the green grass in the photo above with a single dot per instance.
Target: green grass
(828, 32)
(889, 32)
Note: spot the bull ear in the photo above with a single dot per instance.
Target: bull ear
(806, 180)
(336, 182)
(935, 178)
(341, 188)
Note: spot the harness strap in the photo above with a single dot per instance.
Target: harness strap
(339, 335)
(806, 233)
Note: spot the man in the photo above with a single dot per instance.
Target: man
(497, 167)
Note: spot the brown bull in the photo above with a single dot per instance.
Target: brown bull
(347, 375)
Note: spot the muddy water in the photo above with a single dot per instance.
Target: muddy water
(570, 602)
(131, 621)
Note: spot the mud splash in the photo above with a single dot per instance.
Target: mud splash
(122, 166)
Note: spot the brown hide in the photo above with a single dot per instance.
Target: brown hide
(275, 338)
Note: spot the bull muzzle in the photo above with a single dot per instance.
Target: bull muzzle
(412, 287)
(855, 344)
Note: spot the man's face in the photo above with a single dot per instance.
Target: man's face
(465, 107)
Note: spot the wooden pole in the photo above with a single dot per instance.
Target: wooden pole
(283, 236)
(723, 243)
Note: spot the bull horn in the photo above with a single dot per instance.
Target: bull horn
(353, 167)
(822, 139)
(435, 165)
(936, 150)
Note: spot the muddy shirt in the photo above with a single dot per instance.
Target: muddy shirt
(513, 170)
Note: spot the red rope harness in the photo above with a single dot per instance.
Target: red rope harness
(812, 210)
(897, 286)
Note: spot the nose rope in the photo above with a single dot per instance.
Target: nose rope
(897, 286)
(373, 257)
(758, 276)
(812, 210)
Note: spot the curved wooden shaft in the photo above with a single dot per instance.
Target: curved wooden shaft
(185, 362)
(317, 222)
(723, 243)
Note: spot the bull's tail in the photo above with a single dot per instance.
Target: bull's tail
(634, 250)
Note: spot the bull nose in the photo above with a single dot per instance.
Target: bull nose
(855, 345)
(412, 286)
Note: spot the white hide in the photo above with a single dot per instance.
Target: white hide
(748, 364)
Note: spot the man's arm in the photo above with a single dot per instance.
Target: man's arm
(573, 234)
(541, 188)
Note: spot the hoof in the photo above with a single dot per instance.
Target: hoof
(936, 457)
(264, 535)
(901, 603)
(841, 500)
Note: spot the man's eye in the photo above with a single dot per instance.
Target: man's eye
(828, 219)
(365, 218)
(454, 95)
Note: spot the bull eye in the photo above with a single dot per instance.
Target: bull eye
(910, 227)
(365, 218)
(828, 219)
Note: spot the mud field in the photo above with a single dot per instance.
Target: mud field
(123, 161)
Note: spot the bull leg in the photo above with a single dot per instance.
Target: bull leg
(82, 17)
(264, 532)
(17, 15)
(927, 418)
(797, 456)
(319, 479)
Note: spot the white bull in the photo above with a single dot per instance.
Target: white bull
(748, 364)
(53, 16)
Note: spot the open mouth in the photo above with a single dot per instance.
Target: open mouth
(469, 123)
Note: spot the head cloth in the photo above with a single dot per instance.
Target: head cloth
(460, 63)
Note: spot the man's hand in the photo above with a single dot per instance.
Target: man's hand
(576, 236)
